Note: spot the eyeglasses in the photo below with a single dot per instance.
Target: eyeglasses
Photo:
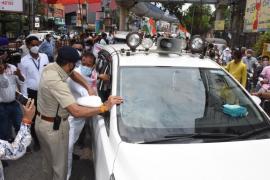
(79, 49)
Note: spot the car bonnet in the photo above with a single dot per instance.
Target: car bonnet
(239, 160)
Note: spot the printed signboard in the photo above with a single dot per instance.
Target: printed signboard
(257, 16)
(11, 5)
(219, 25)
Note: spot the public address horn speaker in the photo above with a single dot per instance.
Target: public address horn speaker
(171, 44)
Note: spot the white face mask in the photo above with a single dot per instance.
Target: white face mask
(34, 49)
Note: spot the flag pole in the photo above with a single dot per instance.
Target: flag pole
(81, 18)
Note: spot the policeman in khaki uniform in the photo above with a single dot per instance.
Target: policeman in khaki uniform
(55, 98)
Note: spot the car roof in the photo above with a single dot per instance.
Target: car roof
(175, 60)
(153, 58)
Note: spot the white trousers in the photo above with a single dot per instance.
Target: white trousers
(76, 126)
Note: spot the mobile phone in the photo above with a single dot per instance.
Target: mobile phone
(56, 122)
(21, 98)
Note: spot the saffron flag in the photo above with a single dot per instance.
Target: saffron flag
(182, 28)
(153, 29)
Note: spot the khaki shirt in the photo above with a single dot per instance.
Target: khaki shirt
(53, 90)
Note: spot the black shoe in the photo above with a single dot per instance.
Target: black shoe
(75, 157)
(5, 164)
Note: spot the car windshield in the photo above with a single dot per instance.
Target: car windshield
(160, 101)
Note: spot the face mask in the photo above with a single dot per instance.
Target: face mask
(86, 71)
(34, 49)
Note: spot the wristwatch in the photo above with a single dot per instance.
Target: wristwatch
(103, 108)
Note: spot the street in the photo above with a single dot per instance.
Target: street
(29, 166)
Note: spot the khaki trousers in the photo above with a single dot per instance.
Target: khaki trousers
(54, 146)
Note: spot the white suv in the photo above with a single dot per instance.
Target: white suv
(173, 123)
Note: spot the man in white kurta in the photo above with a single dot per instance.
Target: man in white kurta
(76, 124)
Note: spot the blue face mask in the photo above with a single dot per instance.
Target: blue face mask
(86, 71)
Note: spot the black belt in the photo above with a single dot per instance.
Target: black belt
(28, 89)
(49, 119)
(7, 103)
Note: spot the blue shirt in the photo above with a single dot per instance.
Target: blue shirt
(47, 48)
(3, 41)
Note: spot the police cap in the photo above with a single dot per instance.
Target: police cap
(68, 54)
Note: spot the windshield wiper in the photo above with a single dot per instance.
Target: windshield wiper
(253, 132)
(245, 135)
(172, 137)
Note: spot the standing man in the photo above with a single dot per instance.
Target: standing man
(250, 61)
(103, 39)
(31, 66)
(55, 103)
(10, 111)
(86, 69)
(47, 47)
(226, 56)
(237, 68)
(110, 37)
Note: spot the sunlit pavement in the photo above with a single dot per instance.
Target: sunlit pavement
(29, 166)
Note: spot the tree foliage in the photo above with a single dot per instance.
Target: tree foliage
(174, 8)
(264, 38)
(198, 19)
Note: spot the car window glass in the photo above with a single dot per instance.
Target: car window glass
(164, 100)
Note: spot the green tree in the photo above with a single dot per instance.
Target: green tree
(174, 8)
(264, 38)
(198, 19)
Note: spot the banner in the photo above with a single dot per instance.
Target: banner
(219, 25)
(257, 16)
(11, 5)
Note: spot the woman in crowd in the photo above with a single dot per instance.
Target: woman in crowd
(15, 150)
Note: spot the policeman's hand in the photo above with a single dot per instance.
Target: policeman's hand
(113, 100)
(29, 111)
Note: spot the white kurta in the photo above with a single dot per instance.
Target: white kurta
(75, 124)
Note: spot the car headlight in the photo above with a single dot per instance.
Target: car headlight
(133, 40)
(197, 44)
(147, 43)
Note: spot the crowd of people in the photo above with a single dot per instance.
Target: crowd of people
(54, 78)
(250, 71)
